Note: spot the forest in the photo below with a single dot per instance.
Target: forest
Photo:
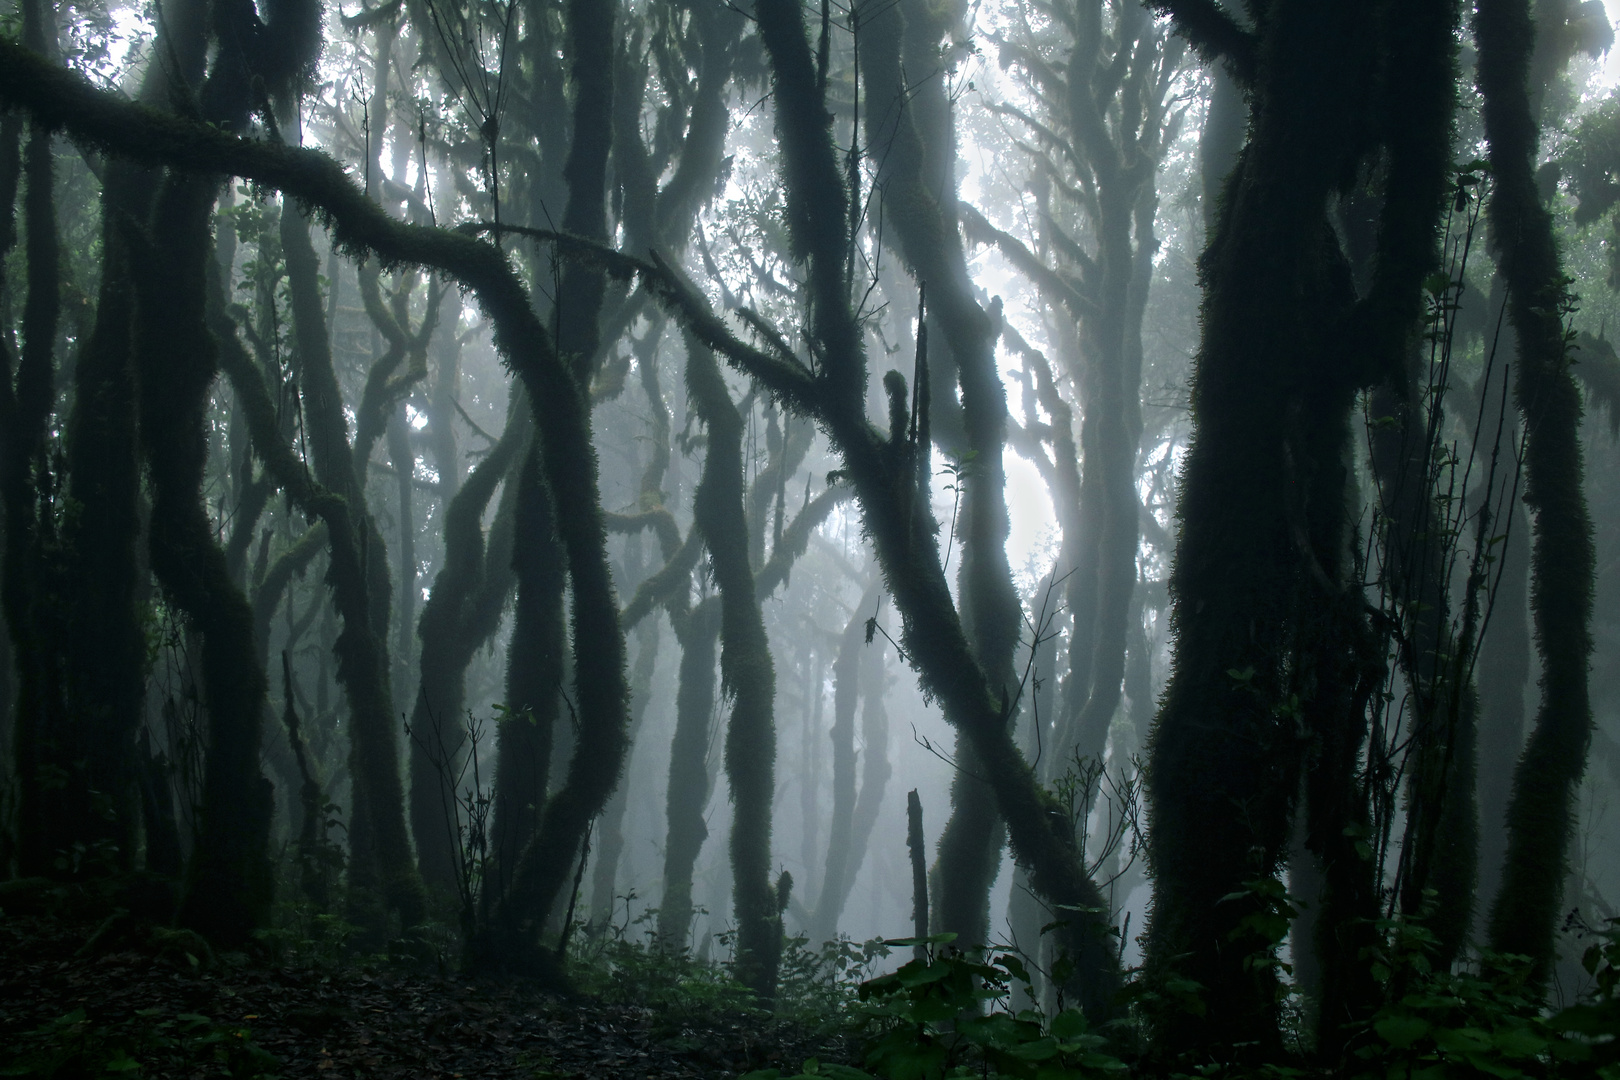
(902, 539)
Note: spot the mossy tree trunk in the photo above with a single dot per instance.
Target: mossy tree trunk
(748, 675)
(908, 116)
(229, 883)
(1270, 638)
(650, 504)
(462, 612)
(51, 785)
(534, 668)
(843, 861)
(885, 474)
(106, 646)
(687, 794)
(382, 869)
(1541, 811)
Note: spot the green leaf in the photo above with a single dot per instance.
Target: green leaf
(843, 1072)
(1013, 967)
(1518, 1041)
(1462, 1040)
(1069, 1024)
(915, 974)
(1490, 1066)
(1402, 1031)
(1044, 1048)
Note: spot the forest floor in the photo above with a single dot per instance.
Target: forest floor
(137, 1002)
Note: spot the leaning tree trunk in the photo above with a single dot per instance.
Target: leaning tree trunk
(910, 132)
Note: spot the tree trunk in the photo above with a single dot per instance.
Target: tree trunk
(747, 673)
(462, 611)
(688, 791)
(1542, 806)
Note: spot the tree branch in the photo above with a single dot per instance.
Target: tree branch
(1214, 35)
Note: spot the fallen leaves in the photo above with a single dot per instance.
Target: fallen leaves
(378, 1025)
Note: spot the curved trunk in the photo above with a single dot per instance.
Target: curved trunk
(1542, 806)
(534, 669)
(894, 499)
(648, 636)
(382, 871)
(970, 846)
(461, 612)
(229, 882)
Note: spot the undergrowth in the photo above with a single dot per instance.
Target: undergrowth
(73, 1046)
(945, 1014)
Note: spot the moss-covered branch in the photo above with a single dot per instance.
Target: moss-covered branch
(1214, 34)
(60, 99)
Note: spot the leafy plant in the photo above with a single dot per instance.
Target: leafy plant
(949, 1014)
(681, 989)
(1595, 1021)
(74, 1046)
(819, 987)
(1485, 1022)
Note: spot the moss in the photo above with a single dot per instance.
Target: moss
(381, 860)
(843, 853)
(1266, 610)
(747, 675)
(895, 518)
(277, 578)
(534, 670)
(229, 883)
(45, 740)
(451, 632)
(386, 386)
(687, 793)
(1541, 809)
(556, 375)
(1414, 109)
(911, 119)
(719, 31)
(253, 499)
(583, 286)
